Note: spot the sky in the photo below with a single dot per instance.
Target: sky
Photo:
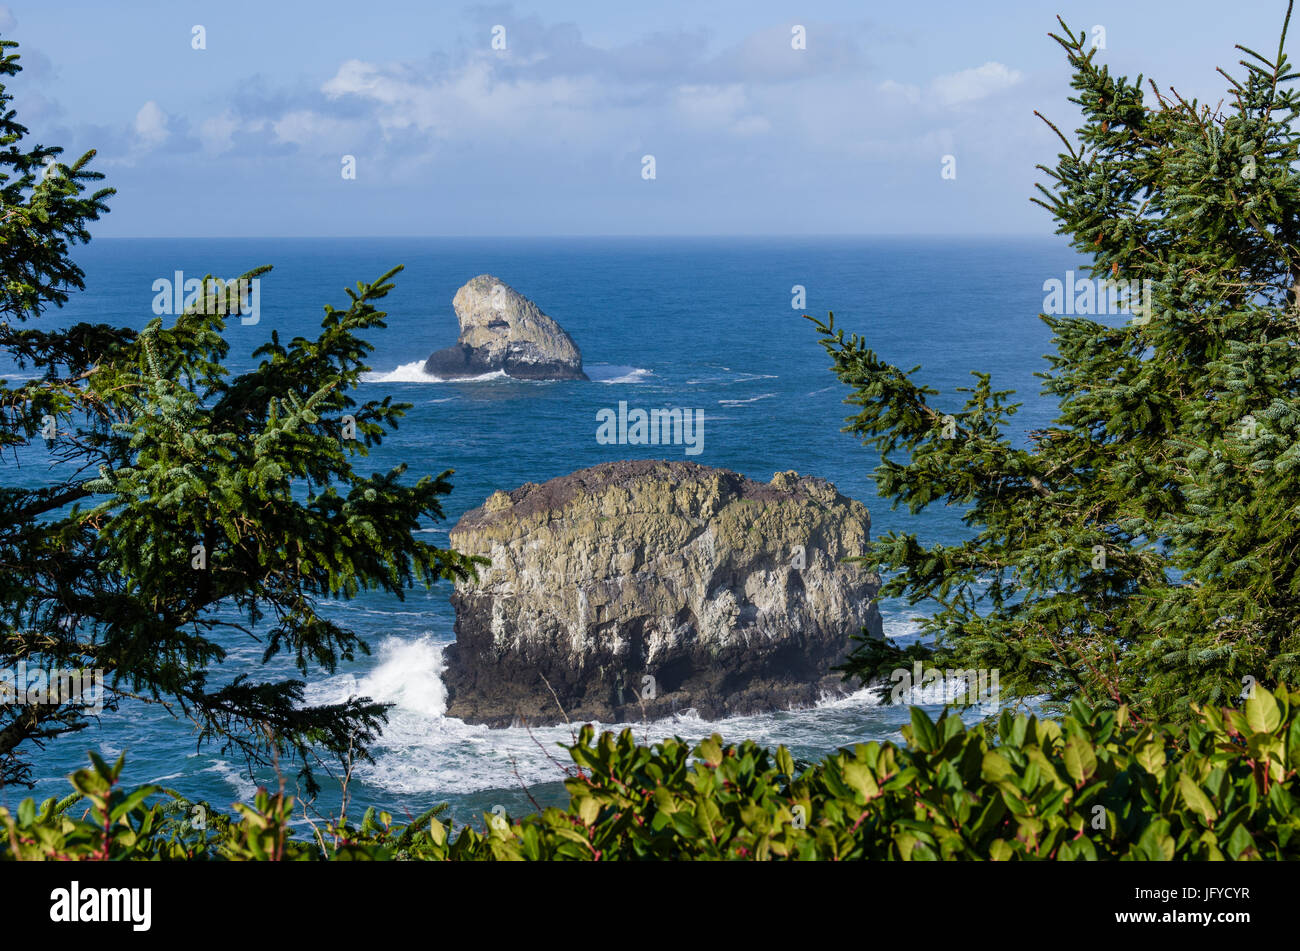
(450, 134)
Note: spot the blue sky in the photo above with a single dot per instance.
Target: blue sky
(453, 137)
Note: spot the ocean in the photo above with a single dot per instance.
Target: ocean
(699, 323)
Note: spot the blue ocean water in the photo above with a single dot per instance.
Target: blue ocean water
(698, 323)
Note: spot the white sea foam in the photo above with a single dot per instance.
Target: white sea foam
(738, 376)
(423, 750)
(936, 693)
(406, 373)
(414, 373)
(244, 788)
(754, 399)
(614, 373)
(899, 628)
(866, 696)
(409, 674)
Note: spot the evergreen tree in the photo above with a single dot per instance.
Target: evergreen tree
(1143, 548)
(195, 505)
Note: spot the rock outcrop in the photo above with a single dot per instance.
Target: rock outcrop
(500, 329)
(643, 588)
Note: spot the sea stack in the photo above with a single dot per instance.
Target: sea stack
(645, 588)
(500, 329)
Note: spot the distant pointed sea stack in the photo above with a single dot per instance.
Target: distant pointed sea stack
(500, 329)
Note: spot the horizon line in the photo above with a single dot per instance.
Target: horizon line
(594, 235)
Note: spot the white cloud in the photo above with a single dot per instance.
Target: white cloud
(314, 131)
(711, 105)
(579, 111)
(717, 108)
(151, 125)
(904, 92)
(473, 102)
(951, 89)
(217, 132)
(361, 79)
(751, 125)
(972, 84)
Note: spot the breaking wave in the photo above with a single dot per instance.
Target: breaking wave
(422, 750)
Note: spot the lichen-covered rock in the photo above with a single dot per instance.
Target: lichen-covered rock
(642, 588)
(500, 329)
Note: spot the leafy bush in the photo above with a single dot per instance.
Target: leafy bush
(1096, 785)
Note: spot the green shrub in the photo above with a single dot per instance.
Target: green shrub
(1098, 784)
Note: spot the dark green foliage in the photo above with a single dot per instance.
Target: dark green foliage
(164, 451)
(1095, 786)
(1176, 450)
(875, 658)
(42, 213)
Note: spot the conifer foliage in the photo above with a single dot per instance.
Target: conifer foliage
(1143, 548)
(192, 506)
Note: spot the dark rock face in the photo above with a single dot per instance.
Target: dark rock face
(500, 329)
(457, 361)
(643, 588)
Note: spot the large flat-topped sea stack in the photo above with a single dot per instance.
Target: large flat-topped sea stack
(645, 587)
(501, 330)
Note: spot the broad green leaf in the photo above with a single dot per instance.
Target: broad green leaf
(924, 736)
(858, 776)
(784, 762)
(1151, 757)
(1001, 851)
(1196, 799)
(1262, 713)
(1080, 761)
(710, 750)
(995, 768)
